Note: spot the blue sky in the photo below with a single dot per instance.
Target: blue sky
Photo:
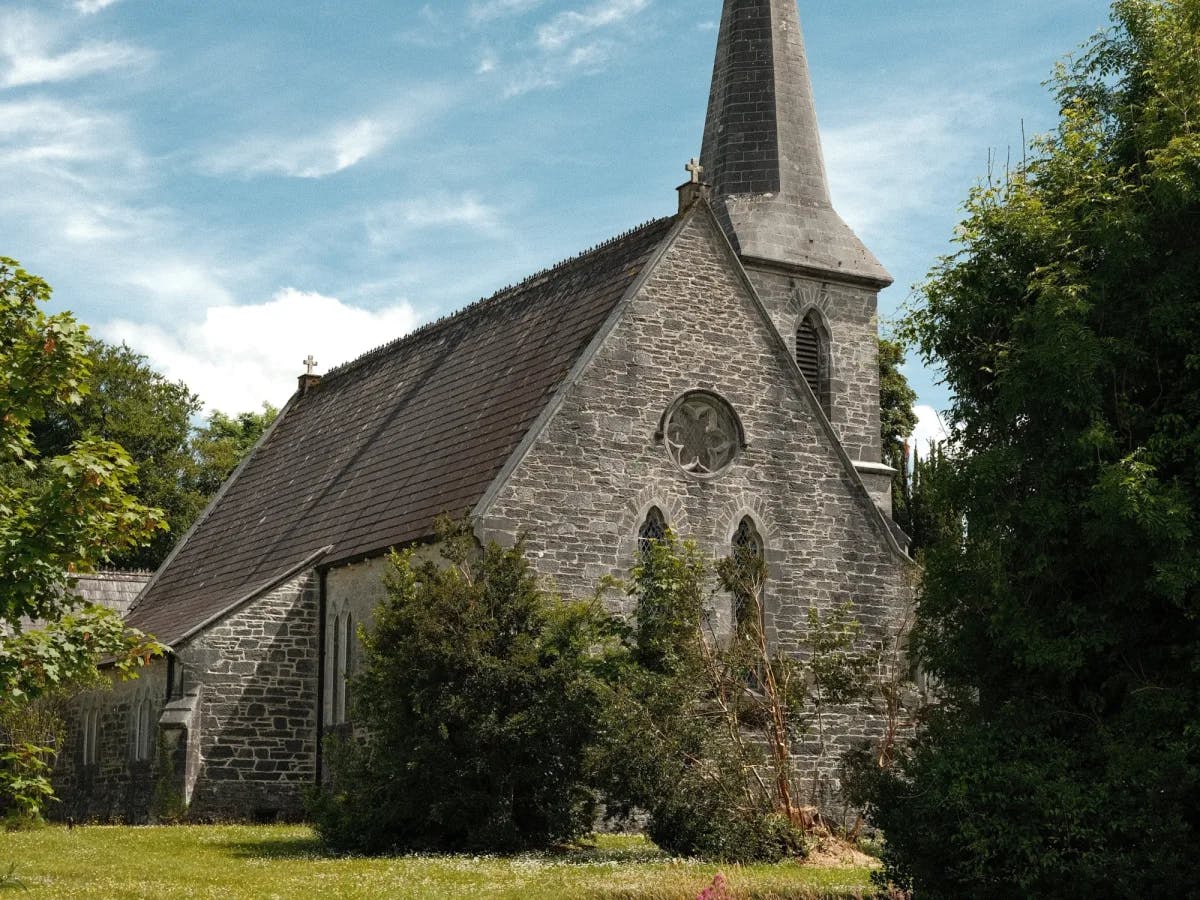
(230, 186)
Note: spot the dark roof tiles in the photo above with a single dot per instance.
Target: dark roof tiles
(378, 449)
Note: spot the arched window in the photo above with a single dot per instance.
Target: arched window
(141, 732)
(347, 662)
(335, 671)
(91, 736)
(750, 574)
(812, 355)
(654, 528)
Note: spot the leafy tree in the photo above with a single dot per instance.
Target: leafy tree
(704, 729)
(896, 398)
(58, 515)
(220, 446)
(477, 699)
(1063, 621)
(129, 403)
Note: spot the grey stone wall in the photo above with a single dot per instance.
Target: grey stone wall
(116, 787)
(585, 485)
(257, 671)
(851, 319)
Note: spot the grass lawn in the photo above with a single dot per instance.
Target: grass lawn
(285, 861)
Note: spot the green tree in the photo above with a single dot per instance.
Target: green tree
(478, 697)
(129, 403)
(896, 398)
(1062, 621)
(220, 446)
(58, 515)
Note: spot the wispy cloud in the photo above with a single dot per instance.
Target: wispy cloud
(482, 11)
(29, 54)
(569, 43)
(239, 356)
(309, 156)
(569, 26)
(87, 7)
(879, 167)
(464, 211)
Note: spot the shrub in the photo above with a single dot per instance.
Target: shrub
(478, 697)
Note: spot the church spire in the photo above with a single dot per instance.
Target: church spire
(762, 150)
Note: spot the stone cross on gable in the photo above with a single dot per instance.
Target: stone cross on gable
(695, 170)
(310, 364)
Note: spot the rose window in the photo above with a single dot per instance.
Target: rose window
(702, 434)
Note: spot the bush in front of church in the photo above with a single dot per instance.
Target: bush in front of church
(477, 698)
(673, 746)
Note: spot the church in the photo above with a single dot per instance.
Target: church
(714, 371)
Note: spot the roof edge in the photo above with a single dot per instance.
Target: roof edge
(585, 358)
(498, 297)
(875, 514)
(265, 588)
(212, 503)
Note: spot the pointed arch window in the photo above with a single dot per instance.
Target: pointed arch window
(654, 528)
(812, 356)
(750, 574)
(141, 733)
(91, 736)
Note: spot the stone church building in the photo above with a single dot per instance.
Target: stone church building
(714, 371)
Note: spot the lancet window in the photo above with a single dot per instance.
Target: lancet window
(750, 573)
(654, 528)
(812, 355)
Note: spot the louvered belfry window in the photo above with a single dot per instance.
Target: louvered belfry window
(811, 357)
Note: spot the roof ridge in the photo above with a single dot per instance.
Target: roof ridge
(491, 300)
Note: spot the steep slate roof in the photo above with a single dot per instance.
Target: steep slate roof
(116, 590)
(370, 456)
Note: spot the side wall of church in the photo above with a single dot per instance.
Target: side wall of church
(257, 674)
(586, 484)
(116, 786)
(850, 314)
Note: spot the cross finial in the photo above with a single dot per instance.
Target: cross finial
(695, 169)
(310, 364)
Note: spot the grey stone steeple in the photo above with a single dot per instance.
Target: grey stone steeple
(762, 150)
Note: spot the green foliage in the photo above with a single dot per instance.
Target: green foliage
(703, 729)
(897, 419)
(220, 446)
(1062, 623)
(24, 785)
(478, 697)
(65, 512)
(130, 404)
(59, 514)
(922, 505)
(896, 398)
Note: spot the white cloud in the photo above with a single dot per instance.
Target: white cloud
(390, 223)
(568, 44)
(240, 356)
(28, 55)
(87, 7)
(486, 10)
(930, 429)
(567, 27)
(311, 156)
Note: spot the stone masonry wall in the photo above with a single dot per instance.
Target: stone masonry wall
(585, 486)
(257, 672)
(850, 315)
(116, 787)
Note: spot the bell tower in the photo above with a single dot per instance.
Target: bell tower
(762, 155)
